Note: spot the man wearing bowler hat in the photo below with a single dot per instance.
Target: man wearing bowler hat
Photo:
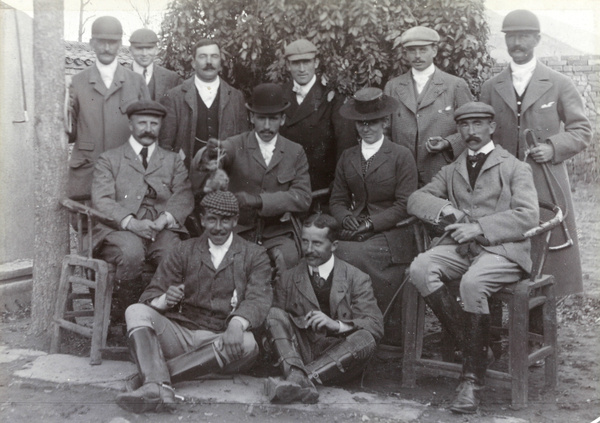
(490, 196)
(268, 175)
(428, 98)
(99, 97)
(146, 190)
(313, 119)
(144, 48)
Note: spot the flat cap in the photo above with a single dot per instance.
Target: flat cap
(146, 107)
(107, 28)
(474, 109)
(520, 20)
(299, 50)
(222, 203)
(419, 36)
(143, 37)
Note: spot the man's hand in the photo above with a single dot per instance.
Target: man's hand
(464, 232)
(436, 144)
(362, 228)
(248, 200)
(232, 340)
(161, 222)
(449, 209)
(142, 228)
(318, 321)
(175, 294)
(542, 153)
(350, 223)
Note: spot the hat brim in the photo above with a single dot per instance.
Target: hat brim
(388, 106)
(268, 110)
(107, 37)
(301, 56)
(473, 115)
(418, 43)
(148, 112)
(143, 45)
(521, 29)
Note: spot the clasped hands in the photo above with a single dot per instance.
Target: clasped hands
(352, 226)
(461, 232)
(146, 228)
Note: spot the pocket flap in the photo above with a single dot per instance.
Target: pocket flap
(86, 145)
(284, 179)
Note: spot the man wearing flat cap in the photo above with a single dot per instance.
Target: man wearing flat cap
(199, 309)
(144, 48)
(428, 97)
(486, 201)
(146, 190)
(99, 97)
(267, 173)
(530, 95)
(203, 106)
(313, 119)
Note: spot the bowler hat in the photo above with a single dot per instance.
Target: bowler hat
(368, 104)
(520, 20)
(222, 203)
(474, 109)
(107, 28)
(143, 37)
(267, 99)
(299, 50)
(146, 107)
(419, 36)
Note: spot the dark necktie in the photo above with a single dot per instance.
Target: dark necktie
(476, 158)
(144, 154)
(318, 280)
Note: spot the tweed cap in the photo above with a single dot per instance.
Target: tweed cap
(143, 37)
(419, 36)
(146, 107)
(474, 109)
(520, 20)
(369, 103)
(299, 50)
(107, 28)
(222, 203)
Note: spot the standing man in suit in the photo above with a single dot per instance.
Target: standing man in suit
(529, 95)
(313, 119)
(99, 97)
(146, 190)
(324, 323)
(491, 195)
(144, 48)
(428, 98)
(203, 107)
(198, 310)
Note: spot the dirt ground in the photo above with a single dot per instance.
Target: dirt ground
(576, 399)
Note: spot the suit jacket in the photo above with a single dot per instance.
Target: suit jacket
(318, 127)
(550, 101)
(351, 299)
(503, 202)
(246, 262)
(99, 120)
(391, 178)
(433, 116)
(121, 182)
(179, 126)
(164, 80)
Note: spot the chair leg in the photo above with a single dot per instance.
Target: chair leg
(550, 337)
(61, 303)
(518, 360)
(412, 326)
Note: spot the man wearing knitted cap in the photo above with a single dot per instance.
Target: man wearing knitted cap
(144, 48)
(530, 95)
(428, 97)
(198, 310)
(313, 119)
(99, 97)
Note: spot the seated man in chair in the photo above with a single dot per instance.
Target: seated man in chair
(490, 196)
(198, 310)
(325, 322)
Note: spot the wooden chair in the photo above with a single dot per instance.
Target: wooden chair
(531, 293)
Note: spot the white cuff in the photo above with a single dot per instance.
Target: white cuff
(245, 323)
(344, 327)
(171, 222)
(126, 221)
(160, 303)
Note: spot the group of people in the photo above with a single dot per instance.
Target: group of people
(152, 150)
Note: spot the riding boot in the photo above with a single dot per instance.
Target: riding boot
(155, 393)
(194, 364)
(448, 311)
(475, 362)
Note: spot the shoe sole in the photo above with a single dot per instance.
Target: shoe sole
(283, 392)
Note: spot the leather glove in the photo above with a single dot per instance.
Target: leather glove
(248, 200)
(212, 148)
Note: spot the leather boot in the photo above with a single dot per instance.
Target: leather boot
(448, 311)
(475, 353)
(155, 394)
(193, 364)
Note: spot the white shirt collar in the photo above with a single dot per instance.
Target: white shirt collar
(207, 90)
(485, 149)
(521, 74)
(325, 269)
(525, 67)
(217, 252)
(137, 147)
(425, 73)
(266, 148)
(302, 90)
(369, 150)
(140, 70)
(107, 72)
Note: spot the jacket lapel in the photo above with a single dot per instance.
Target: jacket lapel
(434, 89)
(224, 95)
(505, 89)
(118, 80)
(254, 149)
(311, 102)
(133, 159)
(493, 159)
(380, 157)
(278, 153)
(156, 160)
(96, 80)
(461, 167)
(190, 95)
(339, 286)
(406, 93)
(302, 282)
(355, 160)
(538, 85)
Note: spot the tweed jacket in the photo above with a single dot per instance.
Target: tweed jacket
(390, 179)
(99, 120)
(121, 182)
(318, 127)
(433, 116)
(246, 263)
(351, 299)
(550, 101)
(503, 202)
(179, 126)
(164, 80)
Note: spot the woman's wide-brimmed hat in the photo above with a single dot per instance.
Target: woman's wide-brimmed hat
(267, 99)
(368, 104)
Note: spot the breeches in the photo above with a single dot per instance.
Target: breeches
(479, 277)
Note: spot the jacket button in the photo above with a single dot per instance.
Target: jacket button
(139, 197)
